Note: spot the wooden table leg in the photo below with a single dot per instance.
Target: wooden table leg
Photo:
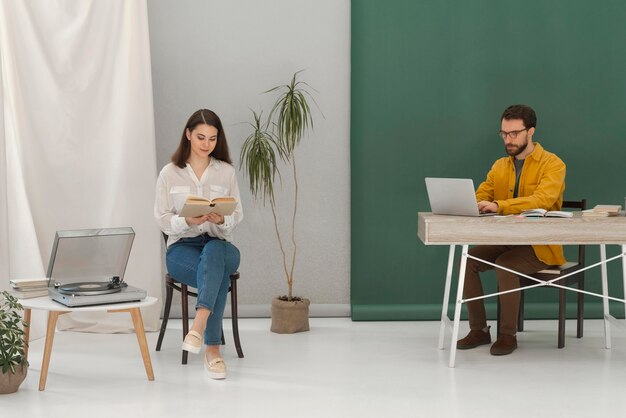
(27, 313)
(52, 323)
(135, 313)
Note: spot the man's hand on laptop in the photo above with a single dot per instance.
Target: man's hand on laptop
(487, 207)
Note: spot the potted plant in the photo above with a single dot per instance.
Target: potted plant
(268, 144)
(13, 363)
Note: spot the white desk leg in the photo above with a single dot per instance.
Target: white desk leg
(624, 274)
(446, 298)
(605, 301)
(457, 308)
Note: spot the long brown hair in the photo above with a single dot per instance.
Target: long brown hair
(207, 117)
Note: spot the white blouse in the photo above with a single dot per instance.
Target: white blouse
(175, 184)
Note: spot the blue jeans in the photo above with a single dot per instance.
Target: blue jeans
(205, 263)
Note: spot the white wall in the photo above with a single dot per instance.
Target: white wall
(222, 55)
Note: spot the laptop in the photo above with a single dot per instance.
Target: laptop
(87, 267)
(452, 197)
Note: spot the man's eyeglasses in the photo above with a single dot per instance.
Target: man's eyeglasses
(512, 134)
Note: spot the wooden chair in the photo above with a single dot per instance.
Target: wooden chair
(578, 279)
(172, 284)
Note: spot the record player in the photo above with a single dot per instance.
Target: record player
(87, 267)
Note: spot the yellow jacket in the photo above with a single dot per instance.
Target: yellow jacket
(541, 186)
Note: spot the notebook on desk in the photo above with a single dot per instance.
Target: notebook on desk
(452, 197)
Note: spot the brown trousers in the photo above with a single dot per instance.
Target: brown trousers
(520, 258)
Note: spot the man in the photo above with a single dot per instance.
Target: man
(530, 177)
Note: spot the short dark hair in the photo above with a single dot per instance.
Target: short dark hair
(206, 117)
(523, 112)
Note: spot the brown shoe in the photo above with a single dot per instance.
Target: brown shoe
(475, 338)
(505, 344)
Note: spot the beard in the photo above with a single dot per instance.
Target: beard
(515, 150)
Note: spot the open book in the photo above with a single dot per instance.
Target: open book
(197, 206)
(531, 213)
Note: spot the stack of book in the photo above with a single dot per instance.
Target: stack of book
(602, 211)
(29, 288)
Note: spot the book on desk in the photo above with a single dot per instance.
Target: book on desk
(601, 211)
(538, 213)
(29, 288)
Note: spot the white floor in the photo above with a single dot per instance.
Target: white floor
(338, 369)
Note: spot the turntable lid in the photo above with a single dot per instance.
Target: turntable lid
(89, 254)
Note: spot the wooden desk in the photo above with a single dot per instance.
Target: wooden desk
(511, 230)
(55, 309)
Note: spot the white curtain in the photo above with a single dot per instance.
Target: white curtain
(77, 137)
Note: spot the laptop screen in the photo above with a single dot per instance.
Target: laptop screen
(449, 196)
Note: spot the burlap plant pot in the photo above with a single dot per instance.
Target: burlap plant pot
(10, 382)
(289, 317)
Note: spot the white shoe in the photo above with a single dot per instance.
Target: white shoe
(192, 342)
(216, 368)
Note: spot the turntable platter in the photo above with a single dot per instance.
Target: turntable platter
(89, 288)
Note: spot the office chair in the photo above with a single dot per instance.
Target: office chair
(172, 284)
(578, 279)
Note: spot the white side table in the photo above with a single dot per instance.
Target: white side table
(55, 309)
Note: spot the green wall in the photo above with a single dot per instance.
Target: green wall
(430, 80)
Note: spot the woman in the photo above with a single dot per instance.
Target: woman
(200, 252)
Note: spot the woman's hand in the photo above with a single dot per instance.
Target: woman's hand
(214, 218)
(197, 220)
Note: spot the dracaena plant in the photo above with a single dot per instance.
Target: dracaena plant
(276, 140)
(12, 326)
